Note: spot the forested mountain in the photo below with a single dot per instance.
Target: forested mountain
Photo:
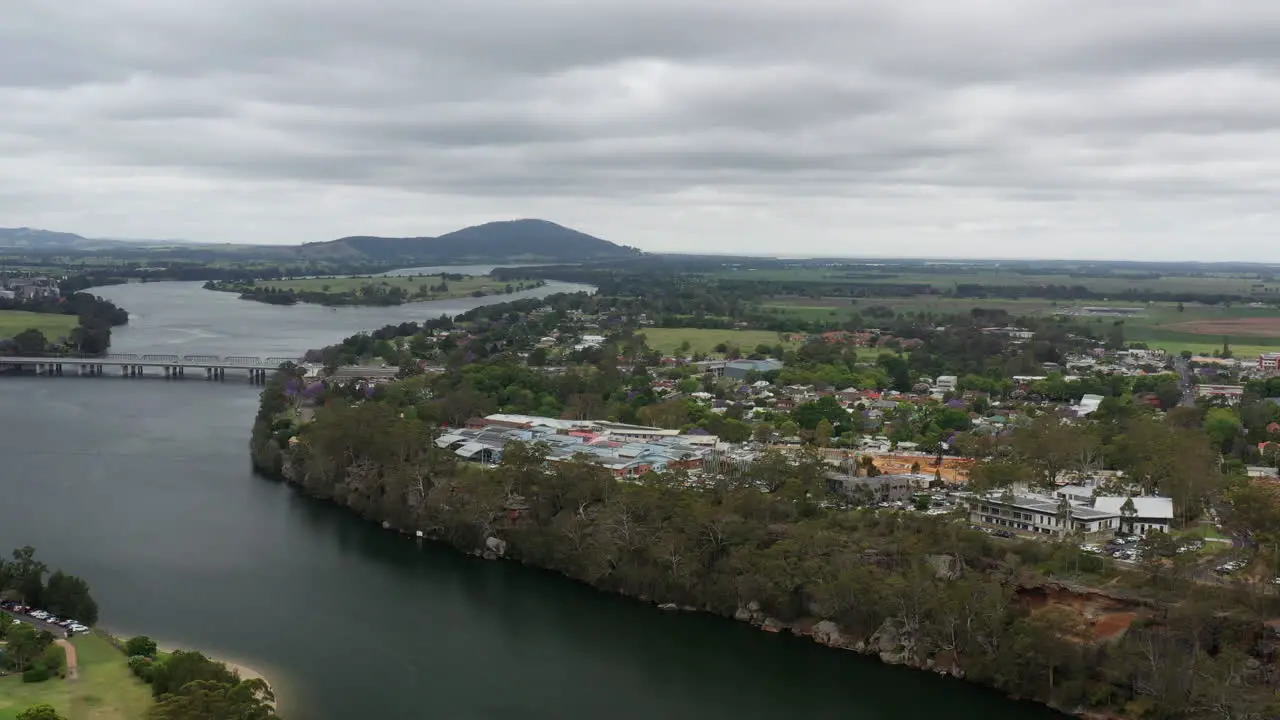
(508, 241)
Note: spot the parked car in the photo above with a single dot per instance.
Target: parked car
(1229, 567)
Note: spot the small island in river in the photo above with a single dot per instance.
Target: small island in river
(370, 289)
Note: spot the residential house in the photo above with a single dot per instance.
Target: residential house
(1088, 405)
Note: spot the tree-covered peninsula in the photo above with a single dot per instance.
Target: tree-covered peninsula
(1033, 619)
(370, 290)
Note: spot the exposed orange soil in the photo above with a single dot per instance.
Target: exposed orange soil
(1096, 617)
(1112, 625)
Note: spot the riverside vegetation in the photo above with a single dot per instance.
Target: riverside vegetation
(89, 318)
(184, 685)
(370, 290)
(921, 591)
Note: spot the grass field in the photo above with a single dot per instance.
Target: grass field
(106, 690)
(413, 285)
(53, 326)
(1198, 328)
(945, 278)
(667, 340)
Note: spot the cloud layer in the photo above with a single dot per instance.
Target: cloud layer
(994, 128)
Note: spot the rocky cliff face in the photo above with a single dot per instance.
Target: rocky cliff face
(891, 643)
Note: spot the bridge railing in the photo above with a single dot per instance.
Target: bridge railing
(134, 358)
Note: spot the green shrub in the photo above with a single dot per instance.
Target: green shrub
(40, 712)
(36, 673)
(54, 658)
(140, 645)
(141, 666)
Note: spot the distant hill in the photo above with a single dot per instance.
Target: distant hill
(32, 238)
(508, 241)
(513, 241)
(50, 241)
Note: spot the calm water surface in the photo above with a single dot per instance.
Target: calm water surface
(144, 488)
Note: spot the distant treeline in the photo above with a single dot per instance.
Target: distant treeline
(649, 277)
(1080, 292)
(197, 272)
(114, 274)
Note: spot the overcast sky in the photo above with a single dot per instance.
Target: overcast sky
(1139, 129)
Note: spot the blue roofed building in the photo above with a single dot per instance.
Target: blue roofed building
(738, 369)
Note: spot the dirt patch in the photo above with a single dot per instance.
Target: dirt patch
(73, 666)
(954, 470)
(1091, 617)
(1240, 327)
(1111, 626)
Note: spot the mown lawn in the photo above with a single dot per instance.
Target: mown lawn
(667, 340)
(53, 326)
(106, 690)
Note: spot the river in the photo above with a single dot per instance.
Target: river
(143, 487)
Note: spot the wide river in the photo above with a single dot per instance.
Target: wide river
(143, 487)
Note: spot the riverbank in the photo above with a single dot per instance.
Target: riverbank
(910, 590)
(890, 638)
(244, 671)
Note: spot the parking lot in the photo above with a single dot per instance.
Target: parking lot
(41, 620)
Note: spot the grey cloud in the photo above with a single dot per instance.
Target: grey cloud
(997, 119)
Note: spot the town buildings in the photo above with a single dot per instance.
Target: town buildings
(28, 288)
(1040, 515)
(628, 451)
(1229, 393)
(870, 490)
(1138, 515)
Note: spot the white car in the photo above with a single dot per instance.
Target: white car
(77, 628)
(39, 614)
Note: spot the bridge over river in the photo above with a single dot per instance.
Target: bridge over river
(215, 367)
